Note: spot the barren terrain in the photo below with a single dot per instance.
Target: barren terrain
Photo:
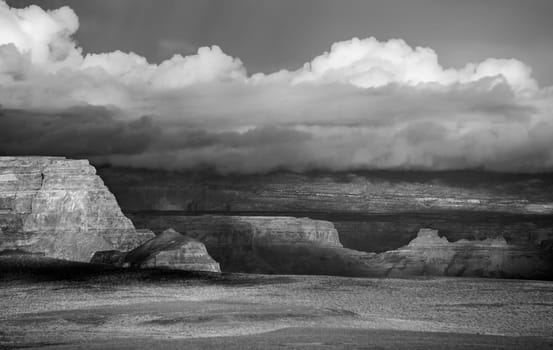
(71, 306)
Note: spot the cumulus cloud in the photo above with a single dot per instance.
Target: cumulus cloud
(364, 104)
(371, 63)
(43, 36)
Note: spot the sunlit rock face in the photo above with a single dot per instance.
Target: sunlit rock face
(170, 250)
(375, 232)
(373, 211)
(60, 208)
(258, 244)
(430, 254)
(290, 245)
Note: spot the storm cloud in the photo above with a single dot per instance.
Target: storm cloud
(364, 104)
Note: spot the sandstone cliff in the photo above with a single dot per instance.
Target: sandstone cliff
(257, 244)
(376, 211)
(288, 245)
(430, 254)
(60, 208)
(169, 249)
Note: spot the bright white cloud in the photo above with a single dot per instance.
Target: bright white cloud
(370, 63)
(209, 64)
(363, 104)
(43, 35)
(45, 38)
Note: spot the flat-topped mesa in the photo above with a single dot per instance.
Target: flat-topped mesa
(429, 238)
(60, 208)
(289, 245)
(261, 230)
(256, 243)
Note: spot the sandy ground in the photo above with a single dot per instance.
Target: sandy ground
(174, 310)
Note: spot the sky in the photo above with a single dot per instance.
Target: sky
(253, 86)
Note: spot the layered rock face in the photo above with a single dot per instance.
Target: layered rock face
(430, 254)
(288, 245)
(377, 211)
(257, 244)
(382, 232)
(60, 208)
(169, 249)
(368, 192)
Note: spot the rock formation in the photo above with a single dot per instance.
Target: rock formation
(373, 211)
(258, 244)
(375, 232)
(363, 192)
(288, 245)
(60, 208)
(169, 249)
(430, 254)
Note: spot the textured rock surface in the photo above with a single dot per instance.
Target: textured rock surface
(368, 192)
(305, 246)
(169, 249)
(257, 244)
(377, 211)
(382, 232)
(60, 208)
(261, 230)
(430, 254)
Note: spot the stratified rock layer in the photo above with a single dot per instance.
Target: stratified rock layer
(258, 244)
(363, 192)
(373, 211)
(169, 249)
(382, 232)
(430, 254)
(288, 245)
(60, 208)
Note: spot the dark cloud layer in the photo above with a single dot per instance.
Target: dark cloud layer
(75, 132)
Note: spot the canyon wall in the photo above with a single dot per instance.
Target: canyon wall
(372, 211)
(379, 213)
(256, 244)
(382, 232)
(60, 208)
(287, 245)
(432, 255)
(501, 227)
(366, 192)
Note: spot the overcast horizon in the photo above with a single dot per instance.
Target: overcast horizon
(249, 87)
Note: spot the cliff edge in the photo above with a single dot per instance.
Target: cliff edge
(60, 208)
